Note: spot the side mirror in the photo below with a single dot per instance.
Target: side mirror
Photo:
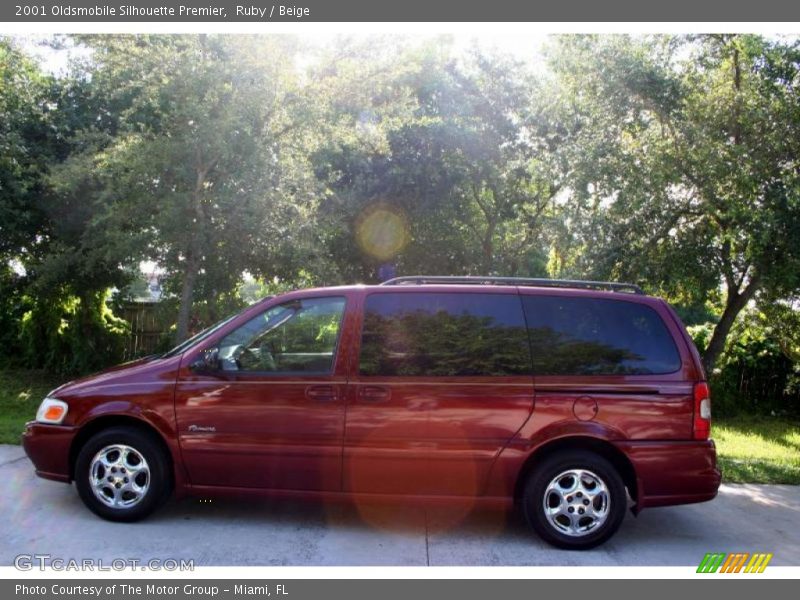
(207, 362)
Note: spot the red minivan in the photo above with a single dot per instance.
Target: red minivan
(571, 399)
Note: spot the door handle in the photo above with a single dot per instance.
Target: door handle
(373, 393)
(322, 393)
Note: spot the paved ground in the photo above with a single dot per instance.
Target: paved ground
(38, 516)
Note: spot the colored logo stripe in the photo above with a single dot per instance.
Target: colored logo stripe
(711, 563)
(734, 562)
(758, 563)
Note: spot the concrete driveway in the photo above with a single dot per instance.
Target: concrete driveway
(43, 517)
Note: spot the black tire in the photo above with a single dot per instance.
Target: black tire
(539, 480)
(157, 475)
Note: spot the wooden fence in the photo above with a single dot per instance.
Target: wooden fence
(146, 328)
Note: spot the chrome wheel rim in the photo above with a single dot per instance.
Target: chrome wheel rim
(119, 476)
(576, 502)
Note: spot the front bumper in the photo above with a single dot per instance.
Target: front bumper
(48, 448)
(673, 472)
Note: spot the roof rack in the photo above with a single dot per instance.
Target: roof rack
(520, 281)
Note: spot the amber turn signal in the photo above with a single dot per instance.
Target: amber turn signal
(52, 411)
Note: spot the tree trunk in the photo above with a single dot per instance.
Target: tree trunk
(88, 309)
(187, 295)
(487, 247)
(733, 306)
(192, 256)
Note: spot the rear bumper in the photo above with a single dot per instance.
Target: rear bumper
(669, 473)
(48, 448)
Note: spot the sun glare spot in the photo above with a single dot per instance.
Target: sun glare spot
(382, 230)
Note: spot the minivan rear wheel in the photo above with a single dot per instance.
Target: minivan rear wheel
(122, 474)
(574, 500)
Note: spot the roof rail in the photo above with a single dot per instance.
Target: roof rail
(520, 281)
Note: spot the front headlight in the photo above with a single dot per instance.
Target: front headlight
(52, 411)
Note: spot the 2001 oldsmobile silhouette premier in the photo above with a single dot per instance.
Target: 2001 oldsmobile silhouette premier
(570, 399)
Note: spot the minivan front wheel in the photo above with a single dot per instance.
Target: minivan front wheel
(122, 474)
(575, 500)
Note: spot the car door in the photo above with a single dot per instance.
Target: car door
(272, 414)
(443, 382)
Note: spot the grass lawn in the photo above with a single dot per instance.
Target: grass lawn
(750, 449)
(758, 449)
(20, 394)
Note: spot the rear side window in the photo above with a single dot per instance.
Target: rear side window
(590, 336)
(444, 334)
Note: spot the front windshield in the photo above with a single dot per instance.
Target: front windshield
(200, 336)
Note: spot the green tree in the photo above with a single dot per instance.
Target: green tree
(462, 149)
(202, 151)
(685, 165)
(26, 147)
(54, 296)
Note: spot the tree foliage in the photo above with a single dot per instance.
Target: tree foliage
(461, 151)
(244, 165)
(201, 152)
(687, 174)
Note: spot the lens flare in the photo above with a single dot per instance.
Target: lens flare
(382, 230)
(387, 473)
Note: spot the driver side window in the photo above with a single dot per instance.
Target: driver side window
(298, 336)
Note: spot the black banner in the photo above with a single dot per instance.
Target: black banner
(398, 589)
(259, 11)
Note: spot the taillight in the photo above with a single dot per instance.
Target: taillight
(702, 411)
